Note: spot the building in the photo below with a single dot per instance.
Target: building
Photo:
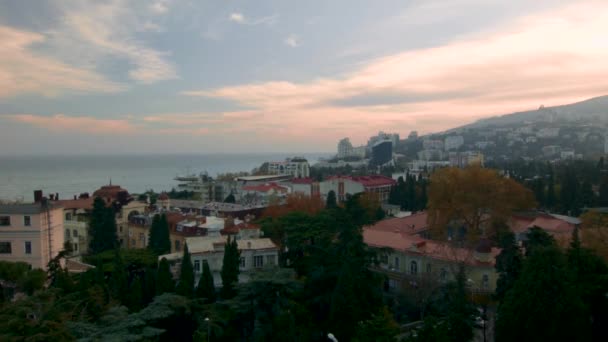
(559, 226)
(567, 154)
(408, 260)
(392, 137)
(256, 252)
(263, 193)
(306, 186)
(31, 233)
(431, 155)
(413, 135)
(205, 187)
(453, 142)
(382, 153)
(76, 223)
(428, 144)
(344, 186)
(464, 159)
(296, 167)
(345, 148)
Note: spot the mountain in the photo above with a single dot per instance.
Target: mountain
(594, 109)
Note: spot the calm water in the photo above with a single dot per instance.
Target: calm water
(69, 175)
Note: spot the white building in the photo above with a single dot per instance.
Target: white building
(429, 144)
(453, 142)
(296, 167)
(256, 253)
(431, 155)
(345, 148)
(548, 132)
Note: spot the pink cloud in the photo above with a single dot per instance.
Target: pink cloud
(554, 58)
(22, 71)
(77, 124)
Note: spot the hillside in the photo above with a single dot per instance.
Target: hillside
(589, 110)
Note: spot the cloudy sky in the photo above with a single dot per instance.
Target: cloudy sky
(282, 76)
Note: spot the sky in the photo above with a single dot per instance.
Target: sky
(229, 76)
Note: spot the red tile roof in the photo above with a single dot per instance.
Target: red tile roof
(414, 245)
(369, 181)
(81, 203)
(520, 224)
(412, 224)
(302, 180)
(265, 188)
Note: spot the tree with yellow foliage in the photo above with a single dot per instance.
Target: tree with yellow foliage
(594, 232)
(473, 198)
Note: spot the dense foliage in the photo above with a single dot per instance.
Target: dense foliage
(102, 227)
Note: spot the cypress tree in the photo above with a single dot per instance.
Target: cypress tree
(149, 286)
(135, 299)
(603, 198)
(206, 287)
(551, 199)
(331, 200)
(119, 278)
(508, 265)
(102, 228)
(230, 269)
(185, 286)
(164, 278)
(159, 241)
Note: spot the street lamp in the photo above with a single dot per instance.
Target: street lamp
(332, 337)
(208, 328)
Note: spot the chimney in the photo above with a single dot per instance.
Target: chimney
(56, 196)
(75, 197)
(37, 196)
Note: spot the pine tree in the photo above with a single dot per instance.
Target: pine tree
(185, 285)
(331, 200)
(206, 286)
(230, 269)
(230, 198)
(159, 241)
(164, 278)
(102, 228)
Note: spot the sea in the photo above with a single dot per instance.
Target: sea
(71, 175)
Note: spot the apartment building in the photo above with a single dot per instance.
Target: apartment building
(32, 232)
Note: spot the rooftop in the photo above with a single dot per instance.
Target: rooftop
(411, 225)
(265, 188)
(411, 244)
(201, 244)
(369, 181)
(26, 208)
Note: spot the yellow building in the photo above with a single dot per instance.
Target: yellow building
(32, 233)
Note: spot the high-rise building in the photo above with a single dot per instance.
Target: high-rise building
(453, 142)
(382, 153)
(296, 167)
(345, 148)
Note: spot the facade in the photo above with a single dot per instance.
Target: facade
(256, 253)
(428, 144)
(382, 153)
(345, 148)
(343, 186)
(31, 233)
(382, 136)
(76, 223)
(296, 167)
(306, 186)
(414, 261)
(464, 159)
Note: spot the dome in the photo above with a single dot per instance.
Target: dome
(113, 193)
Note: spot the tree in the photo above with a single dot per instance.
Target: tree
(185, 285)
(594, 233)
(119, 286)
(164, 278)
(135, 297)
(473, 197)
(551, 199)
(508, 265)
(230, 268)
(331, 201)
(538, 238)
(102, 228)
(230, 198)
(603, 196)
(380, 327)
(206, 286)
(546, 295)
(159, 241)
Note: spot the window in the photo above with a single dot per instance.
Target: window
(397, 263)
(5, 220)
(75, 247)
(27, 221)
(413, 268)
(258, 261)
(384, 259)
(178, 246)
(429, 268)
(28, 247)
(68, 217)
(120, 229)
(141, 236)
(485, 281)
(132, 242)
(5, 247)
(67, 233)
(270, 260)
(75, 233)
(197, 265)
(243, 264)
